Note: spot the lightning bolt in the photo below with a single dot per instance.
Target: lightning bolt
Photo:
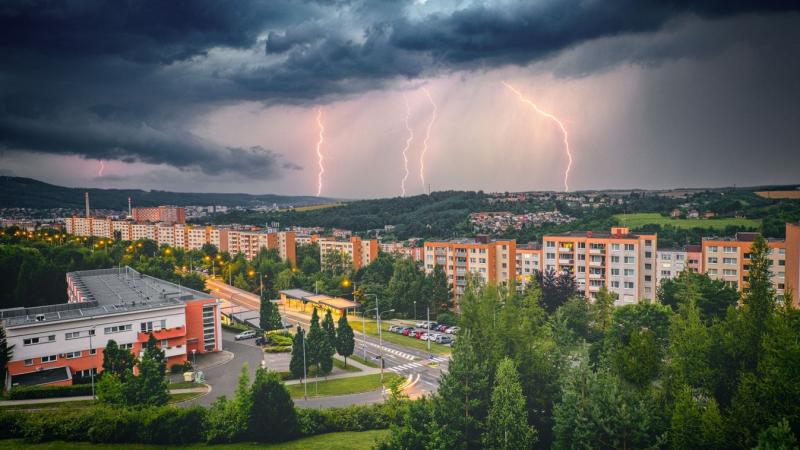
(320, 158)
(427, 139)
(102, 166)
(525, 100)
(408, 145)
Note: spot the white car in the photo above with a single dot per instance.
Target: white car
(249, 334)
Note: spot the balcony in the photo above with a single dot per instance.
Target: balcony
(169, 352)
(566, 261)
(596, 276)
(596, 263)
(597, 251)
(565, 250)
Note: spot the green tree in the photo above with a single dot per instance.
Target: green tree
(405, 287)
(639, 360)
(149, 387)
(777, 437)
(507, 422)
(437, 291)
(329, 328)
(336, 262)
(272, 416)
(696, 422)
(298, 362)
(286, 279)
(758, 303)
(269, 316)
(603, 309)
(418, 431)
(7, 352)
(153, 351)
(345, 340)
(110, 390)
(462, 402)
(118, 361)
(712, 297)
(689, 351)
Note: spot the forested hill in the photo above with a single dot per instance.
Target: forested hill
(17, 192)
(442, 214)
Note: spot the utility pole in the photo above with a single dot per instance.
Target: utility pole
(429, 331)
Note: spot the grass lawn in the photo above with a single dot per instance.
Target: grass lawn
(184, 385)
(640, 219)
(366, 362)
(342, 386)
(174, 398)
(340, 364)
(177, 398)
(399, 339)
(362, 440)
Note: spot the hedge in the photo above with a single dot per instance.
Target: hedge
(32, 392)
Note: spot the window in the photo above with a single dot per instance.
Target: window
(615, 259)
(729, 249)
(615, 272)
(712, 271)
(47, 359)
(93, 351)
(126, 346)
(615, 247)
(73, 355)
(647, 278)
(147, 327)
(72, 335)
(628, 247)
(551, 244)
(28, 362)
(648, 254)
(648, 266)
(628, 272)
(628, 285)
(713, 248)
(666, 256)
(728, 260)
(164, 343)
(117, 329)
(550, 256)
(712, 259)
(581, 244)
(630, 260)
(665, 273)
(39, 340)
(615, 284)
(581, 257)
(648, 243)
(729, 272)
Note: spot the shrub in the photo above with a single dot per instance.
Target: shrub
(172, 425)
(10, 424)
(35, 392)
(274, 349)
(280, 340)
(114, 425)
(447, 318)
(177, 368)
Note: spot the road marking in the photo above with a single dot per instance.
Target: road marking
(394, 352)
(403, 367)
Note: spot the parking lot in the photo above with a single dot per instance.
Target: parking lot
(439, 333)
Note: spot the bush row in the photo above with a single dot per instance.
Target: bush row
(103, 424)
(31, 392)
(352, 418)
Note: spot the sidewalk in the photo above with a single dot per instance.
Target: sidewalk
(35, 401)
(365, 370)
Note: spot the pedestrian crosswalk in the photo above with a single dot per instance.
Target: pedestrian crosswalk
(398, 353)
(414, 365)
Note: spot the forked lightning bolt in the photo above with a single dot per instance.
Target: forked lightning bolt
(320, 158)
(408, 145)
(102, 166)
(523, 99)
(427, 139)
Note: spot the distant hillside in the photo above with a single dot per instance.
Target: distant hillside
(17, 192)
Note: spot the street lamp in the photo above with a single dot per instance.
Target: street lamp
(380, 334)
(415, 310)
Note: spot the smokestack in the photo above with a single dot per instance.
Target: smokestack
(86, 198)
(130, 213)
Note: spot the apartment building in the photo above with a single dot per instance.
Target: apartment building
(670, 263)
(57, 344)
(528, 263)
(728, 259)
(165, 214)
(361, 252)
(250, 243)
(694, 257)
(792, 272)
(493, 261)
(623, 261)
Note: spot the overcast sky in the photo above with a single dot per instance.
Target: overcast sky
(223, 96)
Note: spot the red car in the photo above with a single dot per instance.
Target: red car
(418, 334)
(407, 331)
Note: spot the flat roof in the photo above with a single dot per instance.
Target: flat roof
(320, 299)
(106, 292)
(45, 376)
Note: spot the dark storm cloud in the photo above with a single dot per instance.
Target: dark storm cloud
(126, 80)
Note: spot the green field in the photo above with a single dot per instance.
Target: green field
(635, 221)
(352, 440)
(174, 398)
(342, 386)
(399, 339)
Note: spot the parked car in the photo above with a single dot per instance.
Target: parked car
(394, 328)
(423, 336)
(261, 340)
(408, 330)
(418, 333)
(444, 339)
(442, 327)
(452, 330)
(249, 334)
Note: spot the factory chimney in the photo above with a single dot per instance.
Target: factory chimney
(130, 212)
(86, 198)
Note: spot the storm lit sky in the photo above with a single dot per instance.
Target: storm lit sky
(223, 97)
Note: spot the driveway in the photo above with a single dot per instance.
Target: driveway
(224, 378)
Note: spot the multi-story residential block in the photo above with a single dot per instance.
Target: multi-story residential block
(493, 261)
(250, 243)
(670, 263)
(166, 214)
(361, 252)
(792, 272)
(694, 257)
(623, 261)
(528, 263)
(728, 259)
(57, 344)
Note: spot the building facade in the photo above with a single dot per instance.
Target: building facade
(670, 263)
(728, 259)
(359, 251)
(57, 344)
(165, 214)
(622, 261)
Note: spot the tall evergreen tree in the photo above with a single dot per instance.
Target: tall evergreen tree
(345, 340)
(7, 352)
(329, 327)
(269, 316)
(157, 354)
(405, 287)
(118, 361)
(272, 417)
(507, 423)
(437, 291)
(758, 302)
(297, 364)
(461, 405)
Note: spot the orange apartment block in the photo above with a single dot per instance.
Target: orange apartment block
(493, 261)
(360, 251)
(166, 214)
(528, 263)
(728, 259)
(792, 273)
(625, 262)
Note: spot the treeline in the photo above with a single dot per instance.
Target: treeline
(692, 371)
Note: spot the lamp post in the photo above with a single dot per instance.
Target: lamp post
(364, 325)
(305, 375)
(415, 310)
(94, 368)
(380, 335)
(194, 359)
